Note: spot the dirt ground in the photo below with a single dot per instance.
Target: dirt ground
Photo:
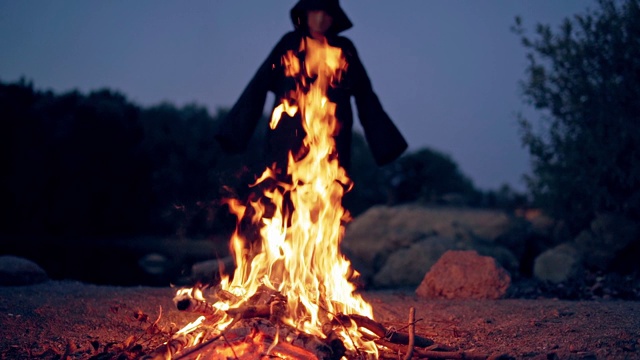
(71, 320)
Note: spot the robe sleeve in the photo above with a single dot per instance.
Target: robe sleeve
(383, 137)
(237, 127)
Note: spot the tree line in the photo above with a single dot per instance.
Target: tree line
(99, 165)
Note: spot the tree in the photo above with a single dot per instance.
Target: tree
(72, 163)
(585, 79)
(191, 175)
(429, 176)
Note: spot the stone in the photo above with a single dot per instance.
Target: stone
(559, 264)
(154, 264)
(371, 238)
(378, 241)
(465, 275)
(20, 271)
(452, 222)
(604, 244)
(407, 266)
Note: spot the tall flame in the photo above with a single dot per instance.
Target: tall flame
(299, 251)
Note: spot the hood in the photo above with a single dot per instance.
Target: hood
(340, 20)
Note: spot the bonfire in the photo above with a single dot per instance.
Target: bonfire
(290, 296)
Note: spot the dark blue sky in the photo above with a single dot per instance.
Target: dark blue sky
(446, 71)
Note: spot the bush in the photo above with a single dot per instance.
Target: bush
(585, 79)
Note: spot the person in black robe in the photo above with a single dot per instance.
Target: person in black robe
(321, 20)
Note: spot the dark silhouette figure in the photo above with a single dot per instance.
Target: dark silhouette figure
(321, 20)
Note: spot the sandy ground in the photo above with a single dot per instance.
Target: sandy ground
(57, 320)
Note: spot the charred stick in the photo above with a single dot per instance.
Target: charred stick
(337, 319)
(412, 328)
(363, 321)
(398, 348)
(384, 333)
(432, 354)
(403, 338)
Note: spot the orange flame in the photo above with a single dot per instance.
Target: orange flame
(300, 255)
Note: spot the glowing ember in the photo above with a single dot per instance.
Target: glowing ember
(299, 255)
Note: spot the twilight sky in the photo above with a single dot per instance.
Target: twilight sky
(447, 72)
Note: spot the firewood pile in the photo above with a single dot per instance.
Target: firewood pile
(257, 331)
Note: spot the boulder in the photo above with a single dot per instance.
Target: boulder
(559, 264)
(396, 246)
(372, 237)
(465, 275)
(381, 223)
(451, 222)
(20, 271)
(407, 266)
(604, 244)
(155, 264)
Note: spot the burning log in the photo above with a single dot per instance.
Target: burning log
(261, 334)
(256, 311)
(261, 314)
(257, 331)
(187, 303)
(227, 296)
(257, 345)
(264, 303)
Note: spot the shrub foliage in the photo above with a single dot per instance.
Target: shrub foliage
(584, 78)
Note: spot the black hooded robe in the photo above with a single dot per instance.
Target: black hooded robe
(384, 139)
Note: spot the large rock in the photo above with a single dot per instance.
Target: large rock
(380, 224)
(559, 264)
(373, 236)
(407, 266)
(610, 243)
(155, 264)
(396, 246)
(605, 244)
(465, 275)
(20, 271)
